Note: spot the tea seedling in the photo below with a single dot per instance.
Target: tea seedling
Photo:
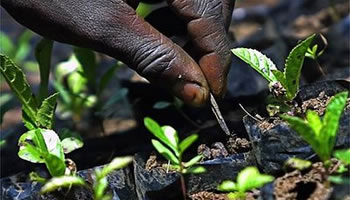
(99, 185)
(247, 179)
(174, 149)
(40, 144)
(320, 133)
(284, 85)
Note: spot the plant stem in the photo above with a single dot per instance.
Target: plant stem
(182, 179)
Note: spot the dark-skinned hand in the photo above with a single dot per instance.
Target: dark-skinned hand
(112, 27)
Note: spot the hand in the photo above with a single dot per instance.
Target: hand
(113, 27)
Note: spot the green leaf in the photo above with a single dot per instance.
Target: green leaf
(2, 143)
(62, 182)
(32, 146)
(339, 180)
(55, 165)
(195, 170)
(117, 163)
(43, 56)
(106, 77)
(257, 61)
(16, 79)
(100, 187)
(171, 134)
(64, 94)
(156, 130)
(33, 176)
(52, 142)
(237, 195)
(297, 163)
(330, 121)
(250, 178)
(187, 142)
(46, 112)
(87, 60)
(6, 45)
(23, 46)
(314, 121)
(161, 105)
(343, 155)
(293, 66)
(70, 144)
(165, 152)
(227, 186)
(305, 131)
(193, 161)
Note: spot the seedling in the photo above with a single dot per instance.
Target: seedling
(247, 179)
(100, 183)
(320, 133)
(40, 144)
(174, 149)
(284, 85)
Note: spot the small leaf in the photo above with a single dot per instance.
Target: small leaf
(32, 146)
(16, 79)
(257, 61)
(305, 131)
(99, 188)
(227, 186)
(293, 66)
(343, 155)
(195, 170)
(193, 161)
(116, 163)
(161, 105)
(87, 60)
(156, 130)
(6, 45)
(314, 121)
(71, 143)
(330, 121)
(250, 178)
(43, 56)
(52, 142)
(339, 180)
(46, 112)
(23, 45)
(55, 165)
(62, 182)
(165, 152)
(187, 142)
(33, 176)
(171, 135)
(297, 163)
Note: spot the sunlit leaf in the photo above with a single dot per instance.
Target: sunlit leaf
(116, 163)
(188, 141)
(250, 178)
(343, 155)
(70, 144)
(257, 61)
(165, 152)
(193, 161)
(46, 112)
(294, 63)
(227, 186)
(62, 182)
(19, 85)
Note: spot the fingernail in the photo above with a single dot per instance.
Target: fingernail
(192, 94)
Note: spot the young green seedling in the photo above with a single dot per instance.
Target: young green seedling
(344, 157)
(174, 149)
(100, 183)
(320, 133)
(40, 144)
(249, 178)
(284, 85)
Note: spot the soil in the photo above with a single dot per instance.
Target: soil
(310, 185)
(317, 104)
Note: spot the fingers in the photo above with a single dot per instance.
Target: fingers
(112, 27)
(207, 24)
